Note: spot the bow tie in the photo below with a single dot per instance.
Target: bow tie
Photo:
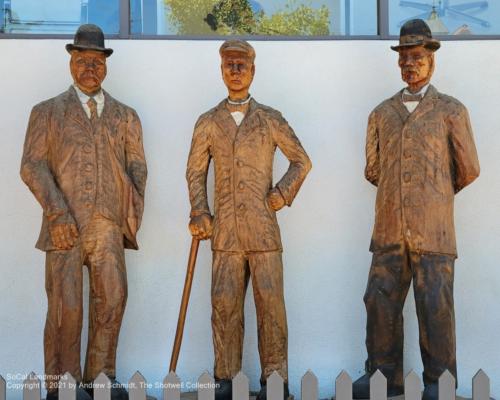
(411, 97)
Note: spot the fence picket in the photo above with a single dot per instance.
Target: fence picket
(481, 386)
(206, 387)
(412, 387)
(378, 386)
(3, 388)
(309, 386)
(171, 387)
(275, 387)
(206, 390)
(32, 387)
(241, 387)
(137, 387)
(447, 386)
(67, 387)
(102, 387)
(343, 387)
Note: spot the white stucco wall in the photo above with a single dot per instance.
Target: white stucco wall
(326, 91)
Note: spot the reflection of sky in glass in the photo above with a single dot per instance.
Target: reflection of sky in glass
(485, 21)
(56, 16)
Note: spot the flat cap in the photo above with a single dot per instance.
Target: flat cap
(239, 46)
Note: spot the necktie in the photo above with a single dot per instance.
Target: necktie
(93, 109)
(411, 97)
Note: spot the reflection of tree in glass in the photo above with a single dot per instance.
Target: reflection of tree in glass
(237, 15)
(301, 20)
(242, 17)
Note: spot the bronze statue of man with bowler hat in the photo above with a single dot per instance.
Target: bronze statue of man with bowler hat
(420, 152)
(84, 162)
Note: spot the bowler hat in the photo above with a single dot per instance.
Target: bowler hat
(238, 46)
(416, 32)
(89, 37)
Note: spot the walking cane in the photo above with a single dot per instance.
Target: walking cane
(184, 304)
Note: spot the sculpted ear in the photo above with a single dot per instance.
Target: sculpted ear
(433, 62)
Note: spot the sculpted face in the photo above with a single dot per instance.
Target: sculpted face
(417, 66)
(88, 69)
(237, 72)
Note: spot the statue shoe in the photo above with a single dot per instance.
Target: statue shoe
(118, 391)
(263, 392)
(361, 388)
(431, 392)
(223, 389)
(80, 395)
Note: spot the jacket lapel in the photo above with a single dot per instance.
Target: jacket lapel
(399, 107)
(425, 105)
(110, 116)
(250, 121)
(225, 122)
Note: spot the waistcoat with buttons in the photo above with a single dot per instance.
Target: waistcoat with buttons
(79, 169)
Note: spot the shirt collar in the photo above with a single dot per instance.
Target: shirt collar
(422, 91)
(99, 97)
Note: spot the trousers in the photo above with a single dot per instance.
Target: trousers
(389, 279)
(100, 248)
(230, 275)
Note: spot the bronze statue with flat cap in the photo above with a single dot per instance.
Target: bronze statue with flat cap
(84, 162)
(420, 152)
(241, 135)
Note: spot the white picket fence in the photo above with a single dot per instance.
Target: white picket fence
(137, 387)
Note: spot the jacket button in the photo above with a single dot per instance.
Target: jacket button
(88, 167)
(87, 148)
(88, 186)
(242, 207)
(406, 201)
(407, 177)
(241, 186)
(239, 163)
(88, 205)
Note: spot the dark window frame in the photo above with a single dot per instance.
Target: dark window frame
(125, 31)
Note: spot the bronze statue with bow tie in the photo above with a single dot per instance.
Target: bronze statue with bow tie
(420, 152)
(241, 136)
(84, 162)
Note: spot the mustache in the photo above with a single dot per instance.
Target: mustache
(90, 75)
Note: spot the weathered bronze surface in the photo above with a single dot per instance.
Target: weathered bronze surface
(88, 172)
(244, 231)
(418, 159)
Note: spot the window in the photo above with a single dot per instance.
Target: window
(449, 17)
(56, 16)
(260, 19)
(254, 17)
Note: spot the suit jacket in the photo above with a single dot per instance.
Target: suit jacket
(243, 162)
(76, 169)
(419, 161)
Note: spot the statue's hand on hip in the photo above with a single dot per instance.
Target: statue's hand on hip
(275, 199)
(201, 226)
(64, 235)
